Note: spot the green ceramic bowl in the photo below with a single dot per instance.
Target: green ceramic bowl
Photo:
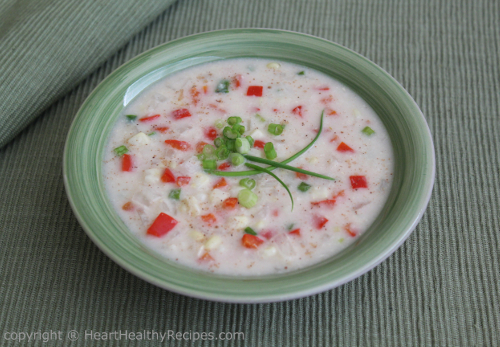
(413, 151)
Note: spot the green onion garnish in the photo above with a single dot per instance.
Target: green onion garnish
(131, 117)
(239, 129)
(236, 159)
(247, 198)
(290, 227)
(222, 152)
(368, 131)
(223, 87)
(234, 120)
(286, 161)
(219, 142)
(288, 167)
(247, 183)
(231, 145)
(259, 117)
(252, 166)
(151, 134)
(301, 73)
(242, 145)
(230, 133)
(269, 151)
(209, 164)
(304, 187)
(275, 129)
(250, 140)
(121, 150)
(209, 151)
(175, 194)
(219, 123)
(250, 231)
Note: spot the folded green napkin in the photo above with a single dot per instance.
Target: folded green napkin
(48, 46)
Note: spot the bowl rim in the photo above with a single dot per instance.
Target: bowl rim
(429, 183)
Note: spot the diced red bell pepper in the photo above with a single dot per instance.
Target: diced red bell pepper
(211, 133)
(224, 166)
(330, 112)
(183, 180)
(255, 91)
(181, 113)
(358, 182)
(209, 218)
(275, 110)
(148, 119)
(180, 145)
(167, 176)
(237, 81)
(127, 163)
(259, 144)
(295, 232)
(200, 145)
(344, 148)
(298, 111)
(162, 129)
(162, 225)
(351, 232)
(334, 138)
(301, 176)
(267, 234)
(206, 257)
(329, 203)
(230, 203)
(320, 221)
(251, 241)
(220, 183)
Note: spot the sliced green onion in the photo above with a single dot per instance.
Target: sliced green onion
(230, 133)
(247, 198)
(175, 194)
(301, 73)
(269, 151)
(286, 161)
(368, 131)
(223, 87)
(219, 123)
(236, 159)
(247, 183)
(234, 120)
(252, 166)
(219, 142)
(250, 140)
(290, 227)
(239, 129)
(259, 117)
(231, 145)
(201, 156)
(209, 164)
(209, 150)
(222, 152)
(121, 150)
(275, 129)
(250, 231)
(284, 166)
(131, 117)
(304, 187)
(242, 145)
(153, 133)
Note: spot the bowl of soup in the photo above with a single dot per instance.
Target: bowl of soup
(249, 165)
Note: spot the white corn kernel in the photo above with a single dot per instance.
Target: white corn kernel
(319, 193)
(139, 139)
(213, 242)
(239, 222)
(274, 66)
(269, 251)
(313, 160)
(196, 235)
(152, 175)
(257, 134)
(200, 179)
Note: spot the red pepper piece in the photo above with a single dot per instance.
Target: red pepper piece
(180, 145)
(320, 221)
(237, 81)
(224, 166)
(127, 162)
(211, 133)
(209, 218)
(220, 183)
(162, 225)
(344, 148)
(334, 138)
(148, 119)
(205, 89)
(230, 203)
(259, 144)
(162, 129)
(301, 176)
(167, 176)
(251, 241)
(295, 232)
(200, 145)
(330, 112)
(267, 234)
(347, 228)
(298, 111)
(183, 180)
(181, 113)
(255, 91)
(358, 182)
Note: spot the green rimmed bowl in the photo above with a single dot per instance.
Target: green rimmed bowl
(410, 136)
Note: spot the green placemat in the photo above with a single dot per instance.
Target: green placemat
(441, 288)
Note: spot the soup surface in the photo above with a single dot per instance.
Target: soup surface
(167, 155)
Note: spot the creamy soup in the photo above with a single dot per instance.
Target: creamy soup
(171, 157)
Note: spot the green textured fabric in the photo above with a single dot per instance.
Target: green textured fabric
(441, 288)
